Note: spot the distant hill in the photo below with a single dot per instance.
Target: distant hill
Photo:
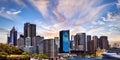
(9, 49)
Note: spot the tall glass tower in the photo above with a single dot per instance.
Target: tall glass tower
(30, 31)
(13, 37)
(64, 41)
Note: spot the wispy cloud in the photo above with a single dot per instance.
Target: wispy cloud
(65, 14)
(111, 16)
(75, 15)
(11, 14)
(20, 2)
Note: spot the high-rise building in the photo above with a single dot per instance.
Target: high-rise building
(21, 42)
(27, 41)
(89, 43)
(77, 41)
(103, 41)
(80, 42)
(36, 40)
(50, 48)
(30, 31)
(8, 38)
(72, 42)
(13, 37)
(41, 47)
(57, 42)
(64, 41)
(95, 43)
(28, 47)
(38, 43)
(92, 48)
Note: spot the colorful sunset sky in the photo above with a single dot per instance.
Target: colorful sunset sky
(94, 17)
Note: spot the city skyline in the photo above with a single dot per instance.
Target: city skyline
(50, 16)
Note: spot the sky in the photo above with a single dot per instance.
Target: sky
(94, 17)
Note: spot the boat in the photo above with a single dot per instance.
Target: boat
(112, 53)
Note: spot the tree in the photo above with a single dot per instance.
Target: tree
(3, 53)
(40, 56)
(43, 56)
(10, 49)
(26, 54)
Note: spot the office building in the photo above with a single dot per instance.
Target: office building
(21, 42)
(30, 31)
(40, 47)
(57, 42)
(92, 47)
(77, 41)
(72, 42)
(89, 43)
(80, 42)
(27, 41)
(64, 41)
(50, 48)
(28, 47)
(95, 42)
(8, 38)
(104, 44)
(13, 37)
(38, 43)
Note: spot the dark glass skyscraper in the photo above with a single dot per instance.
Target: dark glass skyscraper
(89, 49)
(13, 37)
(103, 42)
(64, 41)
(30, 31)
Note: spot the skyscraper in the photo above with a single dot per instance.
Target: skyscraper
(50, 48)
(80, 42)
(89, 43)
(83, 41)
(57, 42)
(28, 47)
(95, 43)
(8, 38)
(72, 42)
(77, 41)
(64, 41)
(36, 40)
(30, 31)
(13, 37)
(28, 41)
(38, 43)
(104, 44)
(21, 42)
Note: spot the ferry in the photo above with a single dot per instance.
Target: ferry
(112, 53)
